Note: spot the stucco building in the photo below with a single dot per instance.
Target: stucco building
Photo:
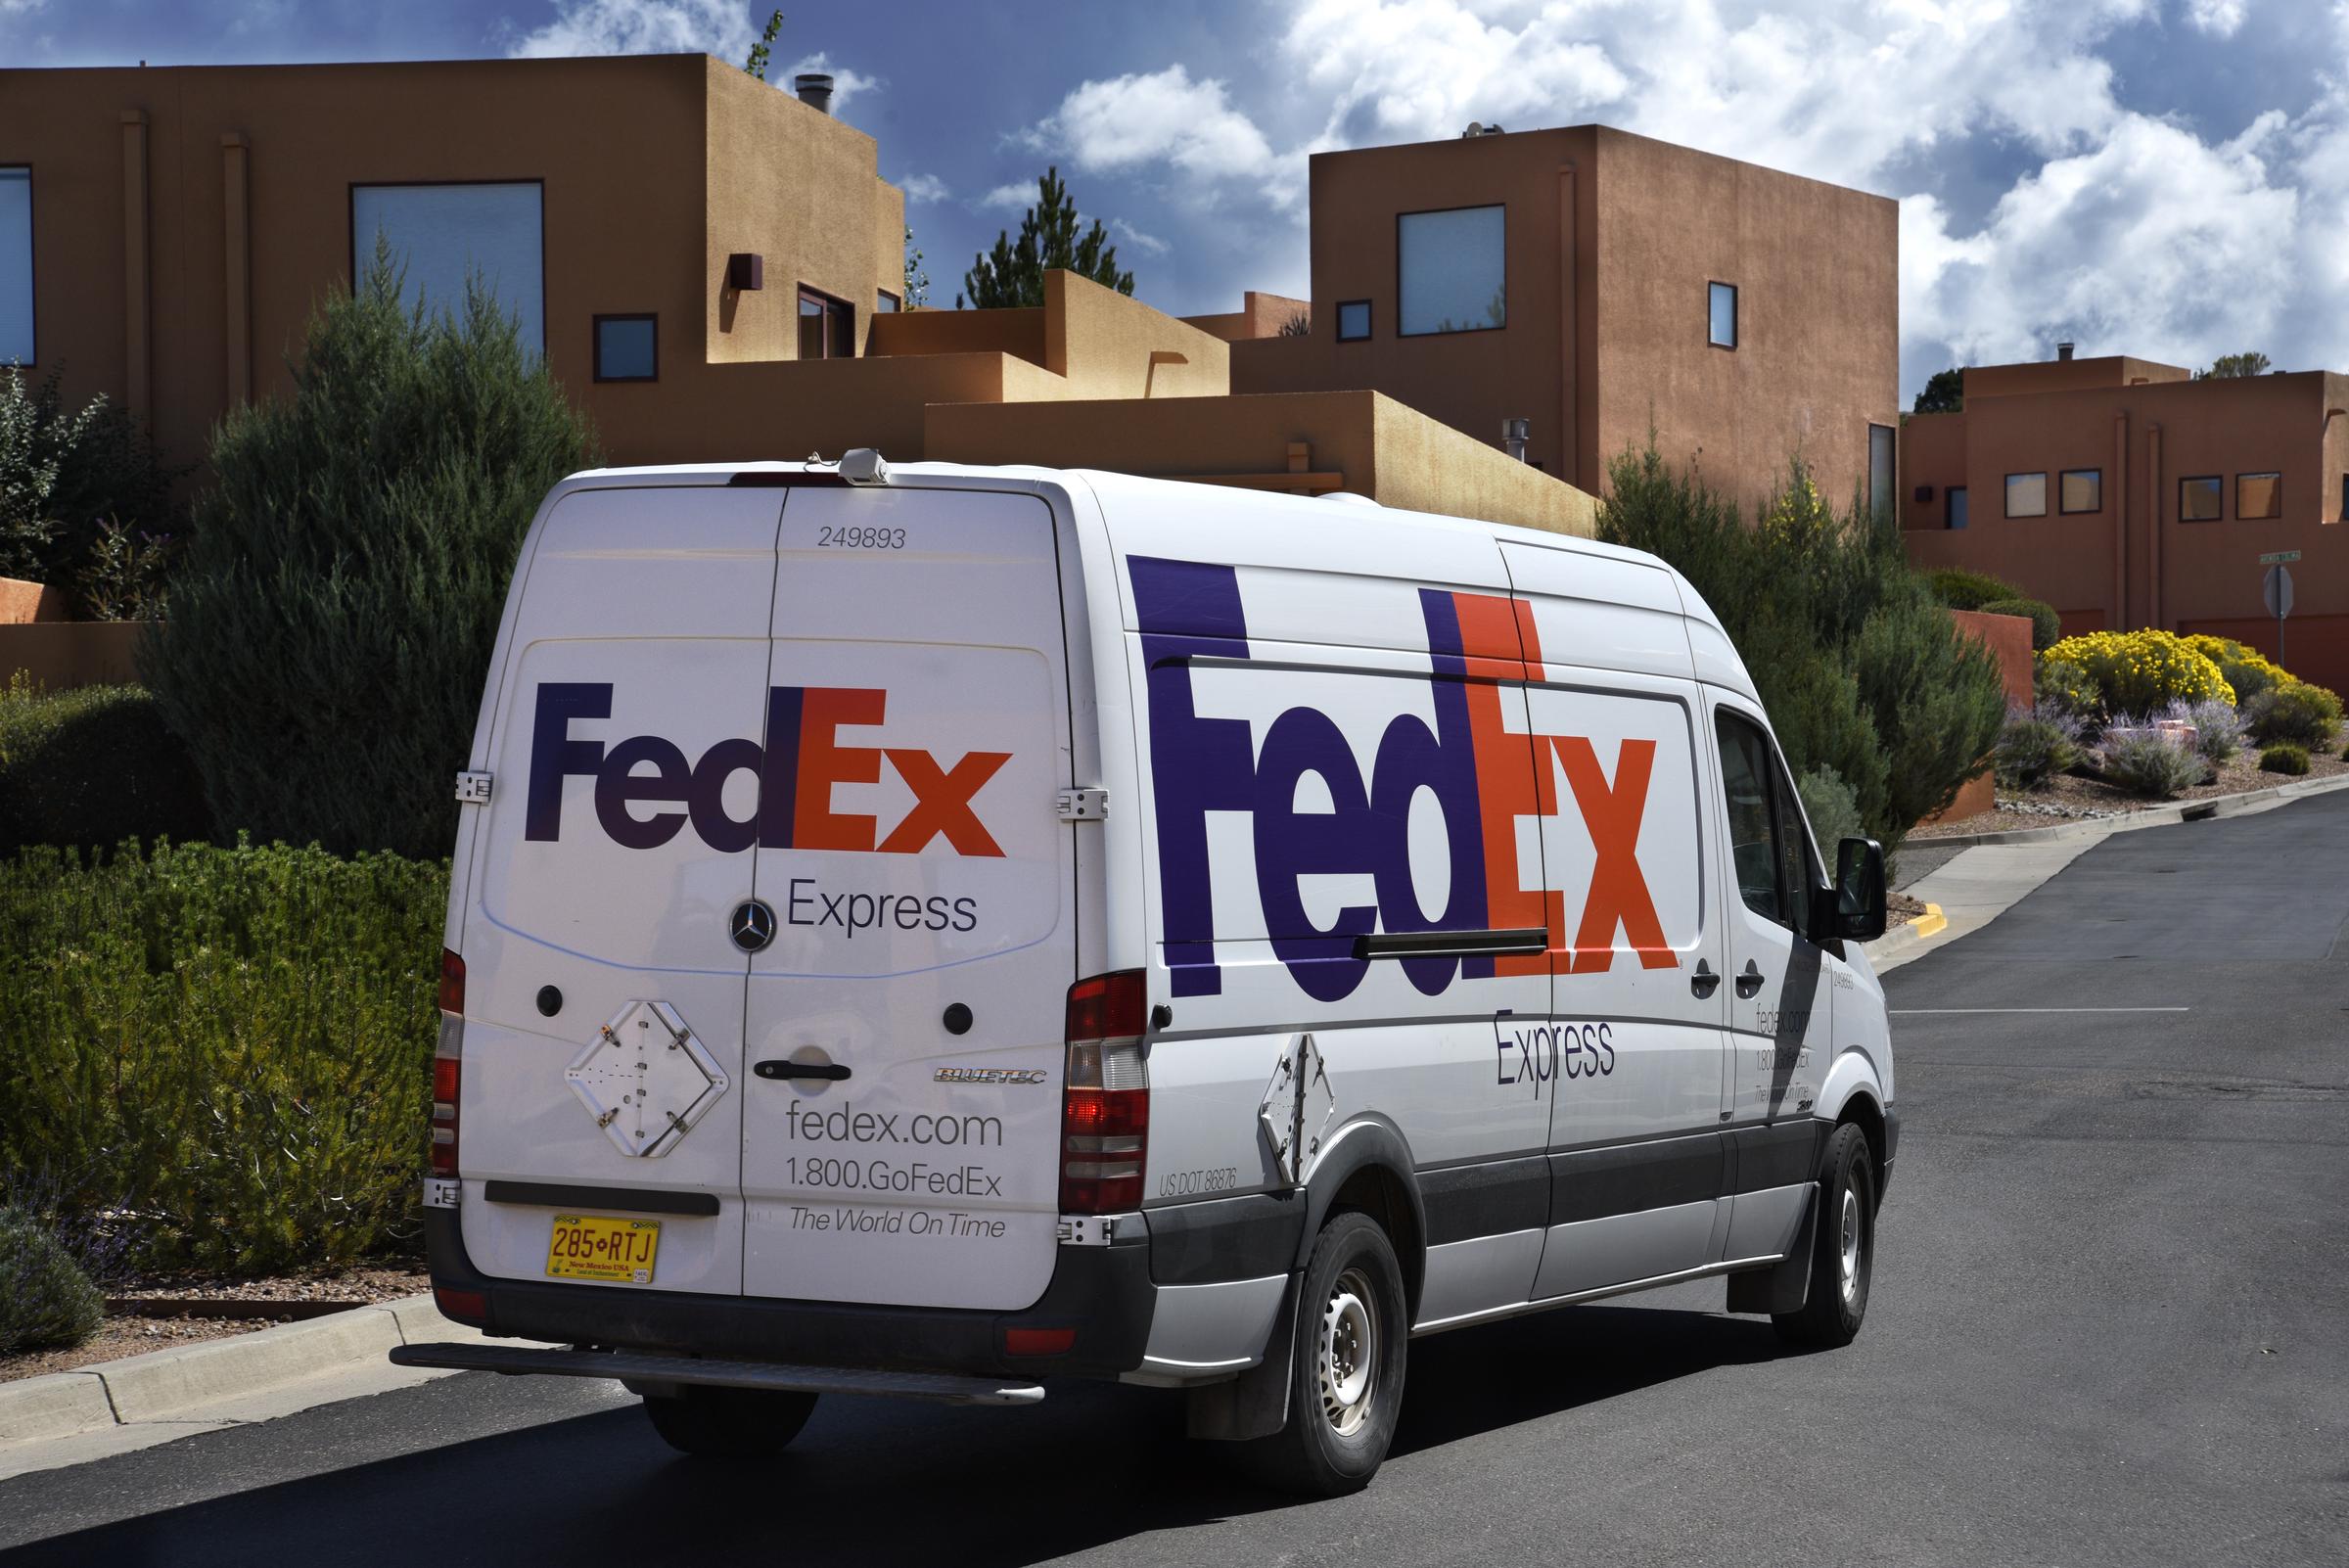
(2126, 493)
(1592, 283)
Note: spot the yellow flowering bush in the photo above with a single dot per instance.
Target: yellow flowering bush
(2244, 668)
(2138, 671)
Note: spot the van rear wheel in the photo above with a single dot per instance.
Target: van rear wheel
(1346, 1366)
(728, 1423)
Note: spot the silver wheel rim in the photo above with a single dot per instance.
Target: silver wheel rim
(1851, 1246)
(1349, 1353)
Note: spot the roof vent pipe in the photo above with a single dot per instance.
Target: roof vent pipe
(2064, 351)
(814, 88)
(1514, 434)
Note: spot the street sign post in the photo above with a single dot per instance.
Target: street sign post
(2277, 590)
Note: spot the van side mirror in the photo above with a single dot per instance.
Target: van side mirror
(1853, 909)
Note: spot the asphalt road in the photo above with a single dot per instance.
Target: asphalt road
(2110, 1324)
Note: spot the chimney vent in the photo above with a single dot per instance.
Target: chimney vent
(1514, 434)
(2064, 351)
(814, 88)
(1475, 130)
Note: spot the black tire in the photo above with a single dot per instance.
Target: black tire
(1846, 1229)
(729, 1423)
(1339, 1430)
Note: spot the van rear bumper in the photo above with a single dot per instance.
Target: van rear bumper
(1104, 1293)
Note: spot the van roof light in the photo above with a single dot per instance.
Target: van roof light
(865, 466)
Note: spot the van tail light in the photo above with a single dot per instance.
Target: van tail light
(1105, 1098)
(448, 1064)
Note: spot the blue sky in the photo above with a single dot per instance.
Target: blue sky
(2168, 178)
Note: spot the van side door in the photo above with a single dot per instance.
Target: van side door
(1780, 987)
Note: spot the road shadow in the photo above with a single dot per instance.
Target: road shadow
(875, 1482)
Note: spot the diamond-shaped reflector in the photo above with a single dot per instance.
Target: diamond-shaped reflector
(646, 1080)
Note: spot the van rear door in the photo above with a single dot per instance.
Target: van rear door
(634, 675)
(902, 1119)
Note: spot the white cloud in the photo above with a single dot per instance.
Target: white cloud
(642, 27)
(1015, 194)
(1150, 244)
(2218, 18)
(2125, 228)
(924, 188)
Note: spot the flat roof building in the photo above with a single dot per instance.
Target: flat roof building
(1594, 283)
(2126, 493)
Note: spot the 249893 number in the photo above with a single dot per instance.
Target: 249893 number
(872, 539)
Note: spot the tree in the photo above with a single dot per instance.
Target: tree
(765, 49)
(917, 276)
(2232, 367)
(1944, 394)
(335, 610)
(1014, 273)
(71, 480)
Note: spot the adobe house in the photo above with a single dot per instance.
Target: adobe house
(2126, 493)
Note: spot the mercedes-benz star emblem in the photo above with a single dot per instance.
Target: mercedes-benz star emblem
(752, 926)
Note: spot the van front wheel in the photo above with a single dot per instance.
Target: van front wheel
(1346, 1366)
(1843, 1256)
(728, 1423)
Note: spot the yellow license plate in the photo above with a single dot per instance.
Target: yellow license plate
(593, 1246)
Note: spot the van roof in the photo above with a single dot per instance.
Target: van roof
(1104, 482)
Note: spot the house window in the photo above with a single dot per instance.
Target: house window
(1879, 470)
(885, 304)
(1956, 495)
(2202, 499)
(827, 327)
(15, 266)
(2258, 495)
(1722, 316)
(444, 234)
(1451, 272)
(2026, 495)
(628, 348)
(2345, 517)
(1354, 320)
(2080, 490)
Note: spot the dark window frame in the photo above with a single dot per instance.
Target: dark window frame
(350, 228)
(830, 302)
(2007, 492)
(1950, 505)
(32, 231)
(2344, 515)
(2218, 483)
(1784, 810)
(595, 342)
(1736, 316)
(895, 306)
(2064, 474)
(1891, 472)
(2242, 515)
(1370, 312)
(1438, 212)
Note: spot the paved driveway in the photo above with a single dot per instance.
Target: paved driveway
(2110, 1325)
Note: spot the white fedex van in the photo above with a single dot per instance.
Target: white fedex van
(920, 932)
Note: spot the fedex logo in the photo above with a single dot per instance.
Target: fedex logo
(1484, 776)
(804, 757)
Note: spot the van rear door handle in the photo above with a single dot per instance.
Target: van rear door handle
(780, 1069)
(1749, 981)
(1704, 981)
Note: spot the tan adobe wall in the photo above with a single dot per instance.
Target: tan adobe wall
(1109, 345)
(1817, 268)
(58, 655)
(2067, 375)
(1019, 332)
(1260, 315)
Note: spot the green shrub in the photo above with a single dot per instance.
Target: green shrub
(2059, 685)
(2035, 744)
(333, 616)
(2285, 757)
(2047, 626)
(231, 1045)
(66, 476)
(90, 767)
(1832, 809)
(46, 1301)
(1937, 699)
(2149, 763)
(1962, 589)
(2140, 672)
(2296, 712)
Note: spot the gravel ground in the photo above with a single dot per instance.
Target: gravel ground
(2066, 798)
(133, 1333)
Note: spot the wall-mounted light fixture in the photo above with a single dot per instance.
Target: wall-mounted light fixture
(746, 272)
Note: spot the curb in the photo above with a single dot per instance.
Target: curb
(2151, 816)
(166, 1383)
(1902, 938)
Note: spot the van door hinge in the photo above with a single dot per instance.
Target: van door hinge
(473, 789)
(1087, 804)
